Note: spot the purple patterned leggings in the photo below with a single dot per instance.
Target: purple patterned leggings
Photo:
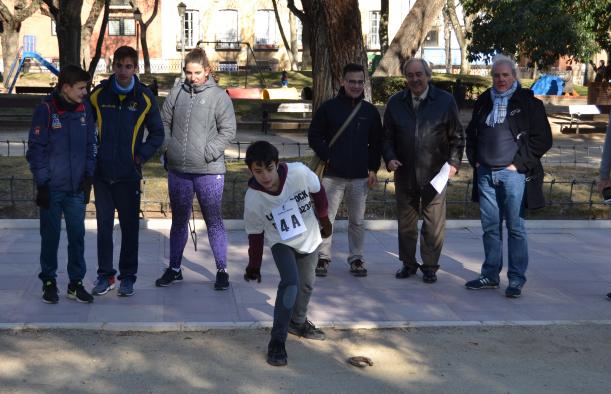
(209, 191)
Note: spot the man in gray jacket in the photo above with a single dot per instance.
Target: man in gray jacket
(199, 124)
(421, 134)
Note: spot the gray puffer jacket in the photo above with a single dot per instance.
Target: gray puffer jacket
(199, 123)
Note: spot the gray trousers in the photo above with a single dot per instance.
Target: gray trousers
(432, 232)
(295, 288)
(355, 192)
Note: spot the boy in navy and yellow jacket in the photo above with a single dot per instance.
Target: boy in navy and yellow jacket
(123, 108)
(61, 154)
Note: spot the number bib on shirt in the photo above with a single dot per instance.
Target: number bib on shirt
(288, 220)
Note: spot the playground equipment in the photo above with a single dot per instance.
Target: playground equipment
(27, 51)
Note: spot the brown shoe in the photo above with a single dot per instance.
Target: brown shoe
(357, 268)
(321, 268)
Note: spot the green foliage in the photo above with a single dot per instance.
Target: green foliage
(384, 87)
(543, 30)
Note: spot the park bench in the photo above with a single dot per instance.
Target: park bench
(580, 114)
(285, 115)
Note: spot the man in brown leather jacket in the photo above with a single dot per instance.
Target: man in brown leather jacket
(421, 134)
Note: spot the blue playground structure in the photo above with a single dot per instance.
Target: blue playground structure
(27, 51)
(550, 85)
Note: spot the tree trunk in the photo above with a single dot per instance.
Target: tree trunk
(285, 42)
(87, 31)
(67, 15)
(461, 35)
(447, 37)
(98, 47)
(306, 31)
(383, 29)
(143, 29)
(294, 41)
(10, 47)
(11, 23)
(411, 34)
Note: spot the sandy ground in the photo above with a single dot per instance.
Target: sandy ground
(475, 359)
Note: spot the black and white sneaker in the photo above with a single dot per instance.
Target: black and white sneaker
(49, 292)
(168, 277)
(77, 292)
(609, 296)
(222, 280)
(481, 283)
(306, 330)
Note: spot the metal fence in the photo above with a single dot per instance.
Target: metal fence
(558, 155)
(564, 199)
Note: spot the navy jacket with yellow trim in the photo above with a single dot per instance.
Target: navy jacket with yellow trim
(121, 124)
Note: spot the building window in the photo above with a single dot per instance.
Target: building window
(53, 28)
(227, 33)
(121, 27)
(191, 28)
(265, 29)
(431, 39)
(373, 37)
(119, 4)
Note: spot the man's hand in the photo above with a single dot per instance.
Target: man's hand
(393, 165)
(252, 273)
(43, 197)
(86, 184)
(372, 179)
(327, 227)
(453, 171)
(511, 167)
(602, 184)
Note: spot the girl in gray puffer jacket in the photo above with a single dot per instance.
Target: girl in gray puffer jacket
(199, 123)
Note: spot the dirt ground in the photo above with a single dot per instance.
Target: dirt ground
(474, 359)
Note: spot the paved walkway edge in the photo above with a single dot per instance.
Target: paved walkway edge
(379, 225)
(205, 326)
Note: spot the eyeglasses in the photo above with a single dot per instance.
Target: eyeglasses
(358, 82)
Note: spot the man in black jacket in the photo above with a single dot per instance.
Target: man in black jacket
(422, 135)
(352, 161)
(507, 135)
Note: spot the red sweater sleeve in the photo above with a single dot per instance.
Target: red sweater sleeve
(255, 250)
(320, 202)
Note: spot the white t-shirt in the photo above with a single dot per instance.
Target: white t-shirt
(258, 206)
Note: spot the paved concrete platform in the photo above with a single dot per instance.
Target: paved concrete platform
(568, 277)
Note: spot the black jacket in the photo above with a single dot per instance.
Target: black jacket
(423, 140)
(359, 149)
(529, 125)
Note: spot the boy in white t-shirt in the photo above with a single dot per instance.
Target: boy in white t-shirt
(283, 205)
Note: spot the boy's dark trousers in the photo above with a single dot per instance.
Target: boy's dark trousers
(123, 196)
(72, 205)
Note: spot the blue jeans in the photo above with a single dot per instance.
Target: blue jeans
(73, 207)
(501, 195)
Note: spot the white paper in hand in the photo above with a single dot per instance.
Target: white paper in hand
(441, 179)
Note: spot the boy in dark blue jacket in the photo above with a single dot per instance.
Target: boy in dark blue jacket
(61, 154)
(123, 108)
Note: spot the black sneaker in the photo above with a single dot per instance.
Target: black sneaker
(609, 296)
(481, 283)
(429, 276)
(49, 292)
(322, 267)
(276, 354)
(222, 280)
(168, 277)
(77, 292)
(513, 291)
(306, 330)
(406, 271)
